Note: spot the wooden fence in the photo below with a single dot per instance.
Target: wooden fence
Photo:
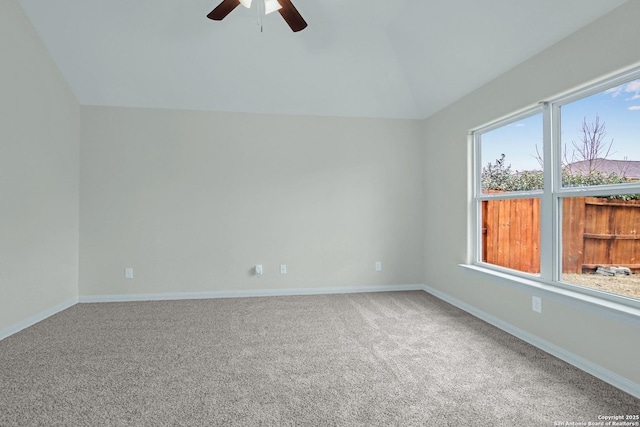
(596, 231)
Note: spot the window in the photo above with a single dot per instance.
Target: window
(557, 191)
(509, 189)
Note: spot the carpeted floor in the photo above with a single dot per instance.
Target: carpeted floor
(380, 359)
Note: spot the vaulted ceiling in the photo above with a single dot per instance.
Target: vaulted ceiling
(357, 58)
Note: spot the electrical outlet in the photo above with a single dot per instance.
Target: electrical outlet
(128, 273)
(378, 266)
(258, 270)
(283, 269)
(536, 304)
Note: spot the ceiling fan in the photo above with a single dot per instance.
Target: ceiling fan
(286, 9)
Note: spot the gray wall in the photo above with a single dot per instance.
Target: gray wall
(39, 132)
(607, 342)
(193, 200)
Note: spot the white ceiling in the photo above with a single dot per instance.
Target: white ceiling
(357, 58)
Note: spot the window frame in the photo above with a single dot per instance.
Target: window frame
(479, 196)
(552, 193)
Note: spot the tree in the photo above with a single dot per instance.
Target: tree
(499, 176)
(496, 176)
(591, 148)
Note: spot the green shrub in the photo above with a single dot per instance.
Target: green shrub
(498, 176)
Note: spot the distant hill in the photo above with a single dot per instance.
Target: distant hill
(628, 168)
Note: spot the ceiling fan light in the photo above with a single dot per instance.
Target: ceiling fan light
(246, 3)
(271, 6)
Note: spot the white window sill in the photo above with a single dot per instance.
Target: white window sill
(602, 306)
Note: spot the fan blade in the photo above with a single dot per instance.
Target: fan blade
(223, 9)
(292, 16)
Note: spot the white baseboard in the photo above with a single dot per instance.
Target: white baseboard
(579, 362)
(38, 317)
(247, 293)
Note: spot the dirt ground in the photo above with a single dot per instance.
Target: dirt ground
(622, 285)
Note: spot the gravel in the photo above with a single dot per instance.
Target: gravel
(622, 285)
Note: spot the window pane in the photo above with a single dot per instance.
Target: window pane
(511, 157)
(600, 137)
(511, 234)
(601, 243)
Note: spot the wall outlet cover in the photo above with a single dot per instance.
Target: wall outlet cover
(536, 304)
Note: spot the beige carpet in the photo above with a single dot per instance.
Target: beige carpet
(383, 359)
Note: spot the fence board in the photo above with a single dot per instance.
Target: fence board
(573, 220)
(596, 231)
(610, 235)
(512, 236)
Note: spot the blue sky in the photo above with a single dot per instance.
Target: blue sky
(617, 108)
